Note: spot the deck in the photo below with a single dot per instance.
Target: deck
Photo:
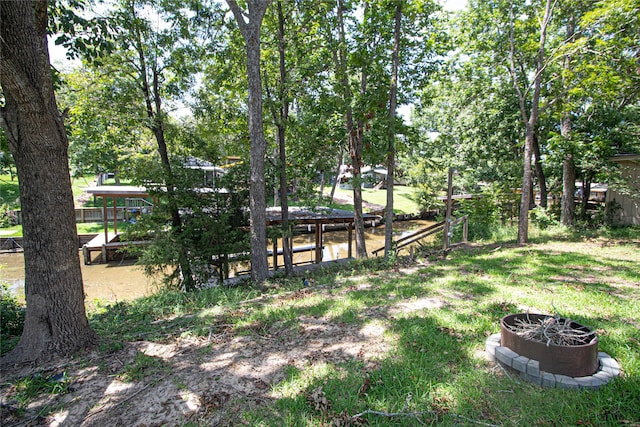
(107, 245)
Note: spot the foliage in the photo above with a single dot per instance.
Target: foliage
(212, 231)
(542, 217)
(11, 319)
(494, 207)
(28, 388)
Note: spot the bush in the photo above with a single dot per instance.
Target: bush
(11, 319)
(8, 217)
(488, 212)
(542, 218)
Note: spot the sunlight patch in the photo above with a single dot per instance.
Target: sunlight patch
(416, 305)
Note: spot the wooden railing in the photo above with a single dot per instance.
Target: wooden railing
(428, 231)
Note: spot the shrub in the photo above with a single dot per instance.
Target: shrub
(542, 218)
(11, 319)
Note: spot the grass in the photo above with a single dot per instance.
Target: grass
(10, 193)
(403, 198)
(433, 365)
(82, 227)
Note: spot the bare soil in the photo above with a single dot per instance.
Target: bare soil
(205, 380)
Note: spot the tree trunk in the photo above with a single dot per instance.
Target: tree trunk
(542, 182)
(354, 135)
(257, 204)
(568, 203)
(530, 120)
(153, 103)
(525, 200)
(284, 116)
(55, 323)
(391, 151)
(356, 170)
(337, 176)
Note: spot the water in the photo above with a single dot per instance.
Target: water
(124, 280)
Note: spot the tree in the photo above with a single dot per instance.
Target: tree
(155, 65)
(391, 153)
(529, 108)
(56, 322)
(250, 30)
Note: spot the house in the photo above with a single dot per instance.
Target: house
(626, 196)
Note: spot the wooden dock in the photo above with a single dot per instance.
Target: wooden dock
(108, 246)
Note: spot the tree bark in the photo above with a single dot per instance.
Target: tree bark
(391, 150)
(282, 123)
(56, 323)
(529, 118)
(354, 135)
(257, 204)
(568, 203)
(542, 182)
(153, 104)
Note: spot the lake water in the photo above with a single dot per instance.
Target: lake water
(124, 280)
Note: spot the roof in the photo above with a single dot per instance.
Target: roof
(625, 157)
(118, 191)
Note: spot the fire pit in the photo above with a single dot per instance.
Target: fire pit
(561, 346)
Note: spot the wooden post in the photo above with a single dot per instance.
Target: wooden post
(465, 230)
(447, 219)
(350, 238)
(318, 242)
(115, 215)
(275, 253)
(105, 218)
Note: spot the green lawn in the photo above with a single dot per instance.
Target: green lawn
(401, 344)
(83, 228)
(10, 193)
(403, 202)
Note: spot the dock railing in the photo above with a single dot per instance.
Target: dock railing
(428, 231)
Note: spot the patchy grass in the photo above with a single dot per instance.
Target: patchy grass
(367, 344)
(403, 198)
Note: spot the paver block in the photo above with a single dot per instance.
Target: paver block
(563, 381)
(533, 368)
(548, 380)
(613, 372)
(505, 355)
(520, 363)
(490, 349)
(584, 382)
(603, 375)
(494, 338)
(533, 379)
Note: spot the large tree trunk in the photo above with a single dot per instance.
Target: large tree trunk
(56, 323)
(257, 204)
(391, 150)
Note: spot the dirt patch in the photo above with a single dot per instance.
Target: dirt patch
(201, 379)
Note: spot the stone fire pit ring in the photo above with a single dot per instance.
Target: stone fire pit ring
(571, 366)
